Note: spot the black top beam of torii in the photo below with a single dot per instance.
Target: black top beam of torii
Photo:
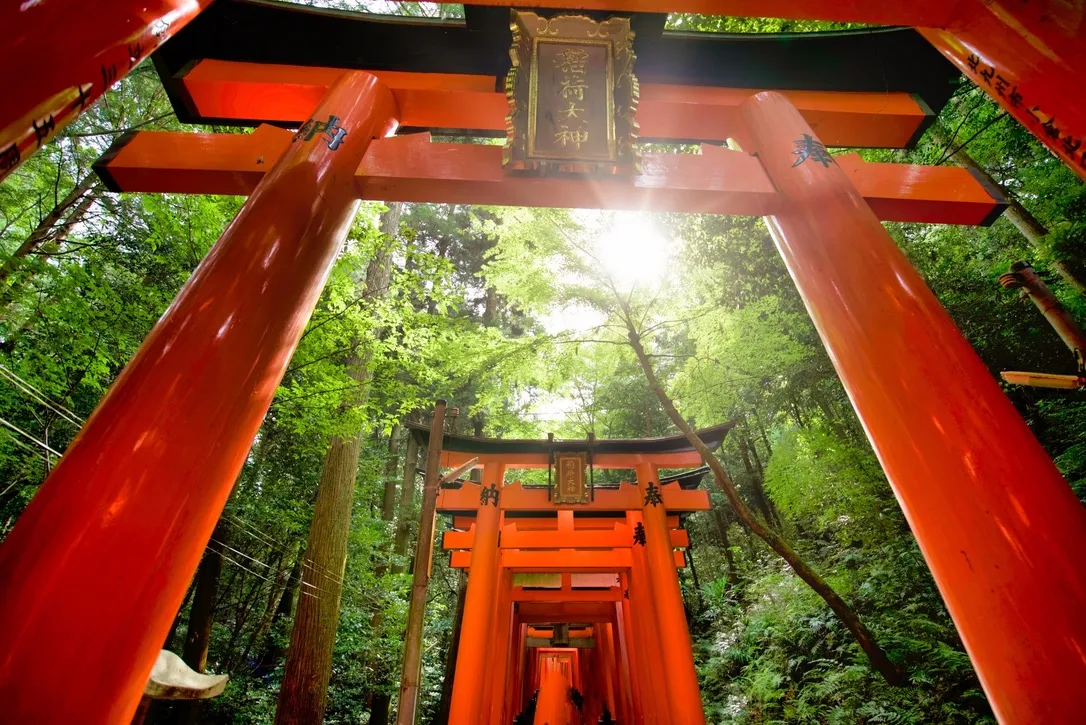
(713, 437)
(874, 60)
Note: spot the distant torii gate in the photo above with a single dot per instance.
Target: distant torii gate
(606, 561)
(120, 525)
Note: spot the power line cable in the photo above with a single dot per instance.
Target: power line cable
(306, 561)
(24, 434)
(40, 397)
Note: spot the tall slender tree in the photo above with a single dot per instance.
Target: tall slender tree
(303, 695)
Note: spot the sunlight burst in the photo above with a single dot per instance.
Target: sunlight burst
(633, 250)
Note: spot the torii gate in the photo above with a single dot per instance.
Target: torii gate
(120, 524)
(598, 556)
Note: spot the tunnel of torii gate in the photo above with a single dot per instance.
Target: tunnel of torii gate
(573, 584)
(344, 106)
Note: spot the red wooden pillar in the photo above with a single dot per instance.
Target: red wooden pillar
(516, 690)
(552, 708)
(475, 638)
(98, 564)
(999, 527)
(627, 662)
(1026, 56)
(59, 56)
(500, 661)
(674, 634)
(645, 621)
(606, 662)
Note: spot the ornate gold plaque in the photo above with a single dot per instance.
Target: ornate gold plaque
(571, 477)
(572, 96)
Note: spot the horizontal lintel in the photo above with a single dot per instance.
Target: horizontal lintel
(411, 168)
(226, 91)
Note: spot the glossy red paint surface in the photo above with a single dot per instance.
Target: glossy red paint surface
(675, 641)
(999, 527)
(1028, 78)
(410, 168)
(471, 659)
(59, 56)
(276, 93)
(93, 573)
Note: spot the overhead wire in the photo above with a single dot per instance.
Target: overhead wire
(306, 561)
(24, 434)
(317, 571)
(40, 397)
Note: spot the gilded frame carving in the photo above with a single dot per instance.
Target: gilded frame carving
(572, 481)
(529, 30)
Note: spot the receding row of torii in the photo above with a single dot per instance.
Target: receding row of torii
(600, 561)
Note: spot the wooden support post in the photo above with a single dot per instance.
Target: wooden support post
(144, 482)
(467, 705)
(1022, 276)
(999, 527)
(412, 648)
(674, 633)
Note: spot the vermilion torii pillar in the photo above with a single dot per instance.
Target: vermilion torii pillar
(471, 659)
(97, 565)
(61, 55)
(999, 527)
(644, 618)
(671, 616)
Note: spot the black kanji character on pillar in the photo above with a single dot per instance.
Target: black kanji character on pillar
(1050, 128)
(639, 534)
(809, 147)
(109, 76)
(45, 130)
(652, 495)
(135, 52)
(488, 495)
(625, 593)
(329, 128)
(9, 158)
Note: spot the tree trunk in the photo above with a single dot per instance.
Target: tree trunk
(241, 618)
(201, 615)
(1028, 225)
(407, 501)
(272, 652)
(304, 692)
(275, 596)
(442, 717)
(729, 557)
(388, 500)
(54, 227)
(198, 637)
(882, 664)
(381, 699)
(303, 695)
(755, 475)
